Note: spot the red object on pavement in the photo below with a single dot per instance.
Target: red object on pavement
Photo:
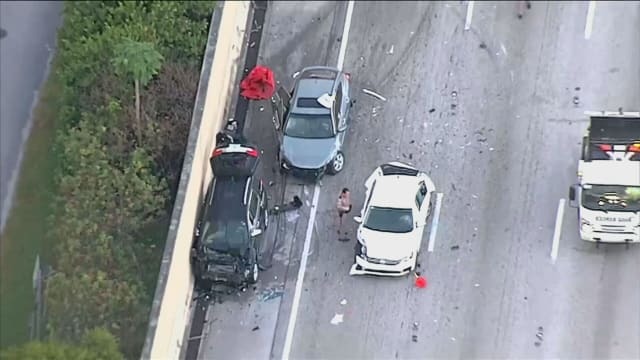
(421, 282)
(260, 84)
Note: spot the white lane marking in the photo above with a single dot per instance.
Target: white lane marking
(434, 223)
(288, 342)
(588, 27)
(467, 21)
(557, 231)
(345, 34)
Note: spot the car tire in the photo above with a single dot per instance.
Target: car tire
(337, 164)
(254, 274)
(357, 250)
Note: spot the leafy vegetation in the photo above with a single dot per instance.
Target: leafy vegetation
(96, 344)
(128, 74)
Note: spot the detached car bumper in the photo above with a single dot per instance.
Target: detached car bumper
(366, 267)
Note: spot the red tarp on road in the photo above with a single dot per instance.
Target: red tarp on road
(260, 84)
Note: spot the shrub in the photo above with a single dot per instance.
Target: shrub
(115, 173)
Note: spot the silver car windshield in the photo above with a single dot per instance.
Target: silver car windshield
(611, 198)
(390, 220)
(309, 126)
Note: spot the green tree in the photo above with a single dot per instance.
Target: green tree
(140, 61)
(79, 302)
(97, 344)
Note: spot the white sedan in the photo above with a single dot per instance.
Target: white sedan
(392, 220)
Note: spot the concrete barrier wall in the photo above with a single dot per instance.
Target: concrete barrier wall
(171, 305)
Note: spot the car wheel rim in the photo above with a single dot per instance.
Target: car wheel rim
(255, 272)
(338, 162)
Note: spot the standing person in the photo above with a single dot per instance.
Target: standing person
(344, 207)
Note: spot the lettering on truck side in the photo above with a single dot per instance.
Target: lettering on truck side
(613, 219)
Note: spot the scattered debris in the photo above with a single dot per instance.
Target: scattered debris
(476, 285)
(271, 293)
(432, 110)
(483, 45)
(455, 247)
(414, 338)
(491, 149)
(453, 339)
(374, 94)
(292, 216)
(256, 328)
(539, 336)
(337, 319)
(343, 302)
(577, 88)
(474, 196)
(390, 50)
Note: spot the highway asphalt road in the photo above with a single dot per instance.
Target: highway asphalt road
(25, 51)
(489, 113)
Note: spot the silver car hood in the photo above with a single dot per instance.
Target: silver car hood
(309, 153)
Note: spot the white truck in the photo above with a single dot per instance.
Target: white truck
(607, 194)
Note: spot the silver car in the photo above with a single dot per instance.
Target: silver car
(312, 121)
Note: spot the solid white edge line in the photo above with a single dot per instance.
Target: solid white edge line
(434, 223)
(288, 342)
(591, 13)
(557, 231)
(467, 21)
(345, 35)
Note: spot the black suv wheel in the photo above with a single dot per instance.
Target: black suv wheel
(254, 272)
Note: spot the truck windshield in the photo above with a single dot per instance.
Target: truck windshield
(611, 198)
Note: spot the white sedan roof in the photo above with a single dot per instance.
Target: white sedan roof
(395, 191)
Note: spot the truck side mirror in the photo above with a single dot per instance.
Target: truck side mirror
(573, 195)
(357, 219)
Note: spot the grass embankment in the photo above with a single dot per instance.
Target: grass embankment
(25, 232)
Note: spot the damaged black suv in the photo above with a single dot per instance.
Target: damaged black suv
(233, 218)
